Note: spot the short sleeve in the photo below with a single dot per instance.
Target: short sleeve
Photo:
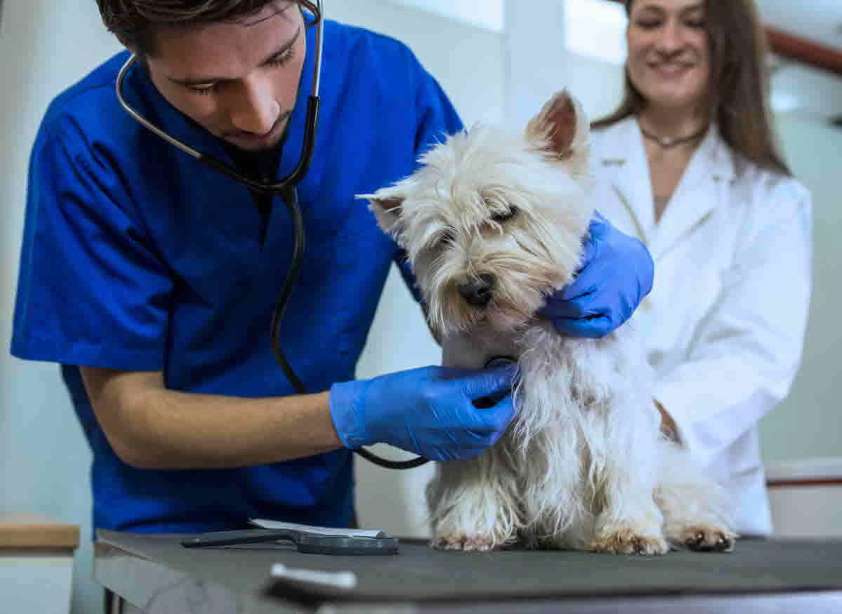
(91, 290)
(436, 116)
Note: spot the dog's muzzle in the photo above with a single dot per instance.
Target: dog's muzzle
(478, 291)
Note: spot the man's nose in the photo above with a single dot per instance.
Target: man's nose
(256, 109)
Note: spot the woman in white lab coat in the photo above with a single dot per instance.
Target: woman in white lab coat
(689, 165)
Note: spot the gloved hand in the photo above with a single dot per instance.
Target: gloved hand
(615, 275)
(430, 411)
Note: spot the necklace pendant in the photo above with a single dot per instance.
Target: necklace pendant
(668, 142)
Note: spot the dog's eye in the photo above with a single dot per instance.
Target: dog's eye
(445, 239)
(505, 216)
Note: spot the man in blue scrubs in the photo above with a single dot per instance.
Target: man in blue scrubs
(151, 278)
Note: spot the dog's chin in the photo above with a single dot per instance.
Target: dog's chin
(507, 318)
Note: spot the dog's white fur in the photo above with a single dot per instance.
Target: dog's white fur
(584, 464)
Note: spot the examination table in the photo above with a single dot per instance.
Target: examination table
(158, 575)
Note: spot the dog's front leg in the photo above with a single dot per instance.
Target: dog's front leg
(629, 521)
(472, 503)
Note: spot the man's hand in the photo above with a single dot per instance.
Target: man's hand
(440, 413)
(615, 275)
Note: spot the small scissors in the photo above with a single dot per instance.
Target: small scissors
(309, 540)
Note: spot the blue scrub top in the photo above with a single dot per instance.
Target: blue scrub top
(136, 257)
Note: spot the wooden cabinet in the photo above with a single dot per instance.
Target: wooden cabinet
(36, 564)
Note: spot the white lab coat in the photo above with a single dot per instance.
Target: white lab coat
(724, 324)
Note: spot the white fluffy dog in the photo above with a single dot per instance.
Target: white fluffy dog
(491, 223)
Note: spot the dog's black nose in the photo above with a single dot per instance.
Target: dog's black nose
(477, 291)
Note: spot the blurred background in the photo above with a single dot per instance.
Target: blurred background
(498, 60)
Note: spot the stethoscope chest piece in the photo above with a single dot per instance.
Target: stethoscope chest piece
(500, 361)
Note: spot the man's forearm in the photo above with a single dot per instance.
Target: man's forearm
(206, 431)
(154, 428)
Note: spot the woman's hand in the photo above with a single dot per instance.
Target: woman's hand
(615, 275)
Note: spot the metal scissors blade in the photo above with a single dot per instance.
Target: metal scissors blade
(309, 543)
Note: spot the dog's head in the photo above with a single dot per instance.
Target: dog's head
(492, 221)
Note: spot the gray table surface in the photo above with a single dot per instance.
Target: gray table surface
(157, 574)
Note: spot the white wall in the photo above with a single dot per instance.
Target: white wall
(538, 64)
(44, 460)
(809, 422)
(486, 14)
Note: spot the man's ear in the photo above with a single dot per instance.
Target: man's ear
(561, 130)
(386, 205)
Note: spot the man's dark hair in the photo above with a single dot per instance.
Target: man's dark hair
(134, 21)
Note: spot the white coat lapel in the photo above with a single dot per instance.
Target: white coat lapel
(620, 152)
(697, 194)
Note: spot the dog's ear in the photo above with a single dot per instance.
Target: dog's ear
(561, 130)
(386, 206)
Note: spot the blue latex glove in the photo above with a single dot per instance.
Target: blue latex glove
(615, 275)
(430, 411)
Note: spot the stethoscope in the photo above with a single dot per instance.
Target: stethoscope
(288, 191)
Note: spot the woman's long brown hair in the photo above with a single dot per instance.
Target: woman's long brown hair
(738, 98)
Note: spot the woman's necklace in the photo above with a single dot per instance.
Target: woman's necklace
(670, 142)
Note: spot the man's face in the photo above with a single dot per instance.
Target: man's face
(238, 79)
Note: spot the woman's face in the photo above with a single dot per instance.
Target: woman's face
(669, 52)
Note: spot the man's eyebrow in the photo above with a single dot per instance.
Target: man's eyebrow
(192, 81)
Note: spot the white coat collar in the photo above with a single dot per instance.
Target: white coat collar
(620, 150)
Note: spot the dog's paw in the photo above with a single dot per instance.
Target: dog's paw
(473, 543)
(628, 541)
(704, 538)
